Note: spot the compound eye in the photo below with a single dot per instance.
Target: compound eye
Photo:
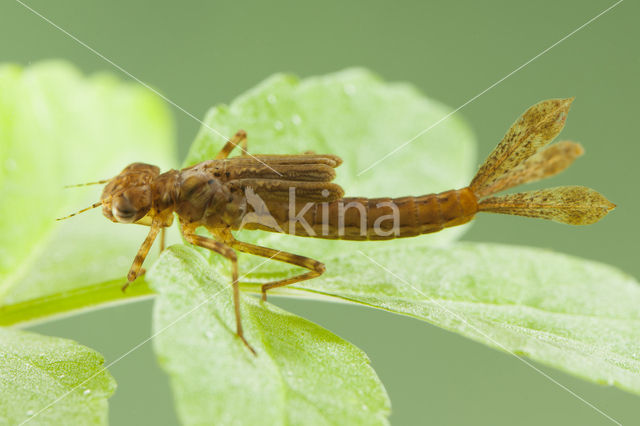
(123, 210)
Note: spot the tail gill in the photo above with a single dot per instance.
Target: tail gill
(524, 155)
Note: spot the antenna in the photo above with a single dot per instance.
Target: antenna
(93, 206)
(88, 183)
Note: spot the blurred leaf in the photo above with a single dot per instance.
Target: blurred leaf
(58, 127)
(576, 315)
(302, 374)
(360, 118)
(35, 371)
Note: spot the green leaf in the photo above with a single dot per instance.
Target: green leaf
(301, 374)
(360, 118)
(59, 374)
(58, 127)
(576, 315)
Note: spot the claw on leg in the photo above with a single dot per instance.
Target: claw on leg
(253, 351)
(131, 278)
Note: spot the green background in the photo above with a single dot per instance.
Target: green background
(203, 53)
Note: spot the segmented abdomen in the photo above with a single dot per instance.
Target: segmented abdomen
(357, 218)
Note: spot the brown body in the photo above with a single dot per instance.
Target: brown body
(294, 194)
(328, 215)
(346, 218)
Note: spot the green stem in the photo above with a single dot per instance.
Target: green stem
(68, 302)
(106, 294)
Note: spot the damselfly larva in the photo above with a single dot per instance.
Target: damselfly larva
(293, 194)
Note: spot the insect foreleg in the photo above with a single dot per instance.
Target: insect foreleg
(239, 139)
(315, 268)
(136, 267)
(227, 252)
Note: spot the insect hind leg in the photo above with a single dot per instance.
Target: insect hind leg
(230, 254)
(238, 140)
(315, 267)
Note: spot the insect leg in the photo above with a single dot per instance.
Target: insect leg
(162, 237)
(315, 268)
(239, 139)
(136, 267)
(227, 252)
